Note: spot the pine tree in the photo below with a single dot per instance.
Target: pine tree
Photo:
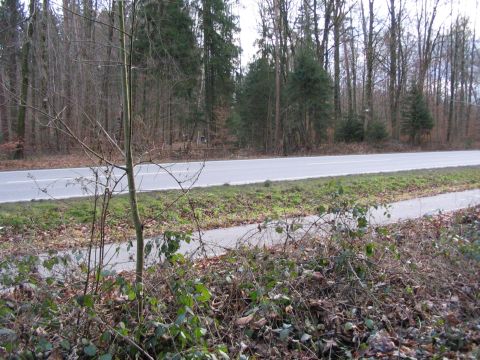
(165, 38)
(310, 92)
(12, 18)
(255, 105)
(219, 56)
(417, 119)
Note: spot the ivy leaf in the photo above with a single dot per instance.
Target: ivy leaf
(305, 337)
(85, 300)
(348, 326)
(148, 248)
(106, 356)
(223, 355)
(369, 249)
(131, 295)
(203, 293)
(65, 344)
(90, 350)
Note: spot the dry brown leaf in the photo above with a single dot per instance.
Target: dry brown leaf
(55, 355)
(317, 276)
(243, 321)
(259, 323)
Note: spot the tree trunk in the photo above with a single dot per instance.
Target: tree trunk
(470, 87)
(369, 53)
(128, 132)
(278, 125)
(336, 60)
(3, 111)
(392, 85)
(354, 68)
(105, 83)
(44, 78)
(453, 80)
(348, 73)
(22, 110)
(326, 31)
(426, 44)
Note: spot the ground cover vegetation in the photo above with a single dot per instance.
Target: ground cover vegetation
(53, 225)
(324, 71)
(408, 290)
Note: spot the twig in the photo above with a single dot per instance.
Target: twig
(126, 338)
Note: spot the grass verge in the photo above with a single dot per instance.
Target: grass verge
(408, 291)
(45, 225)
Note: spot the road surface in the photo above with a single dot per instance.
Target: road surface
(76, 182)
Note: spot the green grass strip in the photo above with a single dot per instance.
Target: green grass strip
(223, 206)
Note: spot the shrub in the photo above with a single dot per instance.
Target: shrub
(376, 132)
(417, 119)
(350, 130)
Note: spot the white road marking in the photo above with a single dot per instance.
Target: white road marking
(349, 162)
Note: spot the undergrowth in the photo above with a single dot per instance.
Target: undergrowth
(404, 291)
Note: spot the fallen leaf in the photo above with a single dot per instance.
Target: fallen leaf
(381, 342)
(243, 321)
(259, 323)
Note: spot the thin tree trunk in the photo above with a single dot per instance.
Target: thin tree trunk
(3, 111)
(278, 125)
(354, 68)
(22, 111)
(453, 69)
(326, 31)
(348, 73)
(44, 78)
(336, 60)
(470, 87)
(369, 53)
(393, 70)
(128, 132)
(105, 82)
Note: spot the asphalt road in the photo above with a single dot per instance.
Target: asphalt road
(76, 182)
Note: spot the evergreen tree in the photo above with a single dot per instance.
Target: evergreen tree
(309, 92)
(255, 105)
(12, 25)
(165, 38)
(219, 56)
(417, 119)
(350, 129)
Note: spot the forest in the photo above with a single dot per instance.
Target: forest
(325, 71)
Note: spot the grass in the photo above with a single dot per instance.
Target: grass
(46, 225)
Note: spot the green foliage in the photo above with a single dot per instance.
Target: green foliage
(350, 130)
(376, 132)
(12, 18)
(254, 104)
(417, 119)
(165, 38)
(220, 53)
(309, 93)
